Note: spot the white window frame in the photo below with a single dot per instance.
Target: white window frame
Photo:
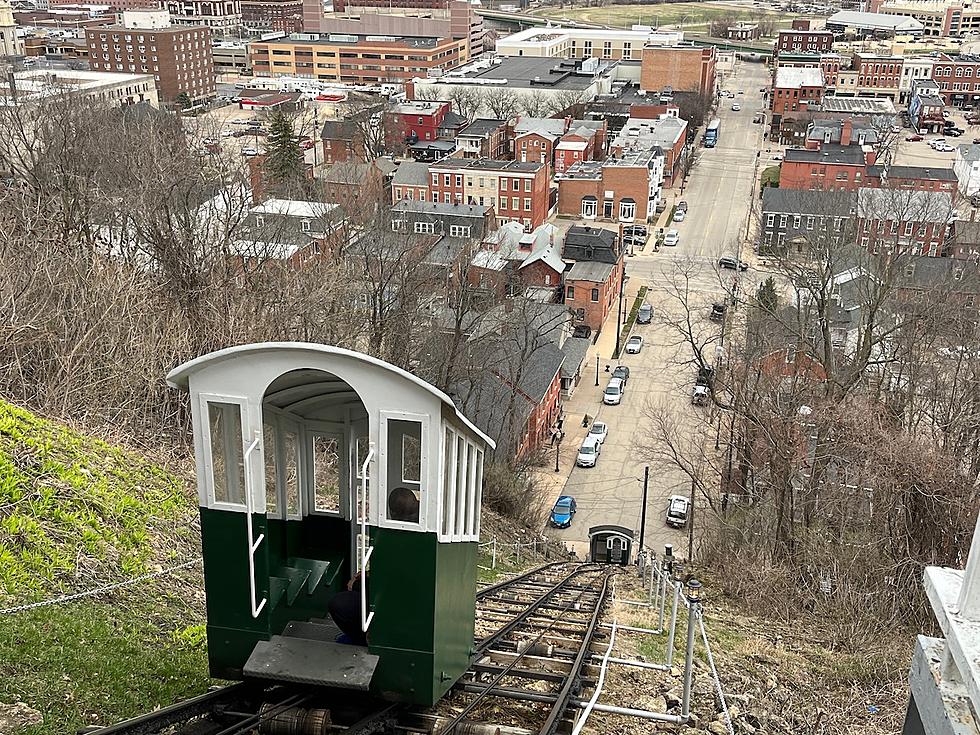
(459, 230)
(343, 479)
(590, 204)
(425, 228)
(627, 211)
(208, 465)
(380, 504)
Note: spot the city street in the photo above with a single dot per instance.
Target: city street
(662, 375)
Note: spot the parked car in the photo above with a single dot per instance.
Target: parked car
(727, 261)
(644, 314)
(717, 312)
(976, 141)
(678, 509)
(613, 394)
(634, 344)
(777, 156)
(679, 215)
(706, 376)
(588, 453)
(955, 132)
(562, 513)
(249, 151)
(741, 91)
(599, 430)
(699, 395)
(913, 138)
(623, 373)
(582, 330)
(635, 231)
(682, 205)
(736, 107)
(672, 237)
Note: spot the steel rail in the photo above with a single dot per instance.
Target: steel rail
(154, 722)
(519, 578)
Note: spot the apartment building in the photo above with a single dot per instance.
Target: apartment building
(625, 189)
(804, 42)
(517, 191)
(272, 15)
(178, 57)
(829, 64)
(958, 78)
(353, 58)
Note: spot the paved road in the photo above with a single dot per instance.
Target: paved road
(661, 375)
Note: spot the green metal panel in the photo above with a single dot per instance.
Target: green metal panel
(422, 594)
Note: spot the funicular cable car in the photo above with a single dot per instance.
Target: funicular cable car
(610, 544)
(300, 448)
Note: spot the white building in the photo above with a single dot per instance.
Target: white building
(556, 42)
(10, 45)
(913, 69)
(148, 19)
(110, 87)
(966, 166)
(223, 17)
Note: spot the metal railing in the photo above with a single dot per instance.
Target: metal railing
(252, 544)
(366, 550)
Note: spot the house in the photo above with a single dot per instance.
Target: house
(794, 89)
(922, 178)
(593, 283)
(847, 131)
(966, 166)
(831, 167)
(900, 221)
(584, 141)
(411, 122)
(534, 139)
(345, 139)
(535, 260)
(926, 107)
(484, 138)
(742, 32)
(290, 230)
(624, 189)
(966, 240)
(456, 221)
(355, 185)
(517, 191)
(801, 220)
(410, 181)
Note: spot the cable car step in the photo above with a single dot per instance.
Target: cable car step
(314, 631)
(277, 590)
(306, 661)
(317, 569)
(297, 579)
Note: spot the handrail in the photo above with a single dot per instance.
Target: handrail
(250, 543)
(366, 617)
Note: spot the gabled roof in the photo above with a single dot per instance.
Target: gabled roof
(588, 270)
(905, 205)
(838, 203)
(544, 126)
(481, 128)
(411, 173)
(581, 235)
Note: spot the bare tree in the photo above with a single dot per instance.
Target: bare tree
(503, 103)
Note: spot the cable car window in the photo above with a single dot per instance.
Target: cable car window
(290, 456)
(460, 485)
(326, 473)
(412, 457)
(361, 449)
(447, 483)
(404, 462)
(227, 461)
(477, 493)
(470, 520)
(271, 472)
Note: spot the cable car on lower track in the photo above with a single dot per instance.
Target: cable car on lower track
(301, 449)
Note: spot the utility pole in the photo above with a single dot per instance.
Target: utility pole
(690, 526)
(597, 370)
(619, 309)
(643, 508)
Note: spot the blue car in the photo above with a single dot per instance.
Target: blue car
(561, 514)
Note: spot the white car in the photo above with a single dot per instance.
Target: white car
(599, 430)
(588, 453)
(736, 107)
(227, 133)
(613, 394)
(634, 344)
(249, 151)
(679, 215)
(672, 238)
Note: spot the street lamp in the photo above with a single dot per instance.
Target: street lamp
(597, 371)
(557, 450)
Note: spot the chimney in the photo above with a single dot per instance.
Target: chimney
(845, 132)
(568, 122)
(869, 155)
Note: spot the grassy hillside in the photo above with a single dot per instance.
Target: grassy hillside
(77, 513)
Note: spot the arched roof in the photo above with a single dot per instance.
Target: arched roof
(179, 377)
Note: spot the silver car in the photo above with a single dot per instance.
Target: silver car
(588, 453)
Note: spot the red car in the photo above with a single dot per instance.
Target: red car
(307, 144)
(914, 138)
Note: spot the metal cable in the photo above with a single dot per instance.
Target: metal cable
(99, 590)
(714, 673)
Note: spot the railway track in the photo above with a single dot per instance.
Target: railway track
(534, 642)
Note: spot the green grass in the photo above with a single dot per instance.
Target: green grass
(770, 176)
(689, 14)
(632, 315)
(68, 501)
(94, 662)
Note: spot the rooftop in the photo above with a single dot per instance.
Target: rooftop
(293, 208)
(481, 127)
(858, 105)
(441, 208)
(639, 133)
(913, 172)
(589, 270)
(411, 173)
(905, 205)
(875, 21)
(528, 72)
(848, 155)
(802, 201)
(486, 164)
(418, 107)
(794, 77)
(969, 153)
(352, 39)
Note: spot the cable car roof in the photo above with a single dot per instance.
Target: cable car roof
(299, 393)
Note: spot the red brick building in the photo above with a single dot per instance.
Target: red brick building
(179, 57)
(958, 78)
(919, 178)
(907, 221)
(276, 15)
(682, 68)
(878, 75)
(831, 167)
(624, 189)
(484, 138)
(795, 89)
(580, 144)
(829, 64)
(804, 42)
(592, 284)
(518, 191)
(416, 121)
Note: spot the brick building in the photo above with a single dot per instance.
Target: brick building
(412, 122)
(831, 167)
(178, 57)
(958, 78)
(355, 58)
(871, 75)
(410, 181)
(624, 189)
(593, 283)
(580, 143)
(344, 139)
(484, 138)
(919, 178)
(897, 221)
(808, 42)
(223, 17)
(829, 64)
(682, 68)
(668, 133)
(794, 89)
(517, 191)
(285, 16)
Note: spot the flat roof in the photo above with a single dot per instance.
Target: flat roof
(874, 21)
(480, 127)
(589, 270)
(526, 71)
(352, 39)
(487, 164)
(850, 155)
(792, 77)
(293, 208)
(869, 105)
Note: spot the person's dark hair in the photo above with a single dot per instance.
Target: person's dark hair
(403, 505)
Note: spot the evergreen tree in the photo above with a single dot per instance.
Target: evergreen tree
(183, 100)
(284, 158)
(766, 296)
